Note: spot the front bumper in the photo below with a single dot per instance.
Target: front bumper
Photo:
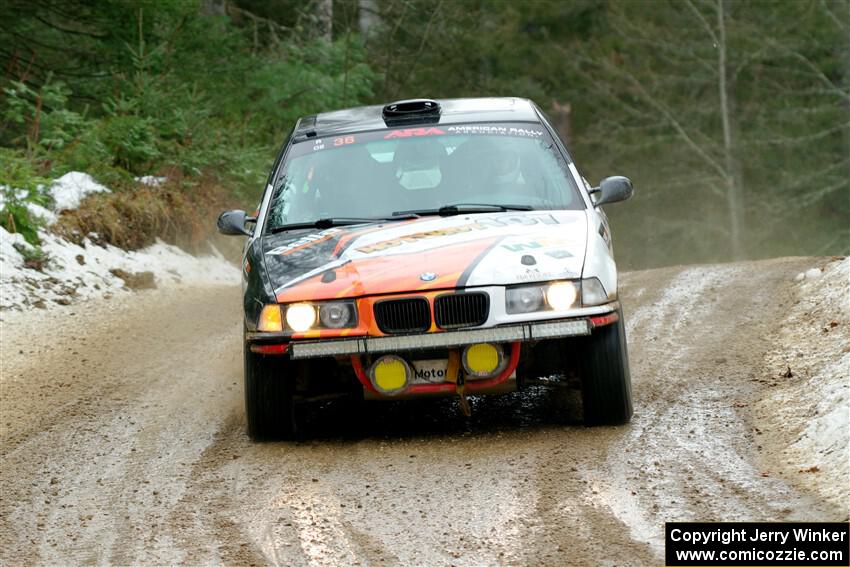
(523, 332)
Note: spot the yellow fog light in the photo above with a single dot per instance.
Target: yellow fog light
(483, 360)
(300, 317)
(561, 295)
(390, 374)
(270, 319)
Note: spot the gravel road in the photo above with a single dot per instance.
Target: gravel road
(123, 442)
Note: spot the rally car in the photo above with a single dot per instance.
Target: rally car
(427, 248)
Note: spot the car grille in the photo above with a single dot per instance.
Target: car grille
(408, 315)
(456, 310)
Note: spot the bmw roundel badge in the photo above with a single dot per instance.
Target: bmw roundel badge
(428, 277)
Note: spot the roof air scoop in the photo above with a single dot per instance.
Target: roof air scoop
(414, 110)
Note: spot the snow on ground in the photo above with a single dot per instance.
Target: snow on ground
(72, 273)
(151, 180)
(807, 417)
(69, 190)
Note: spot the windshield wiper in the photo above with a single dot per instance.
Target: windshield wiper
(464, 208)
(340, 221)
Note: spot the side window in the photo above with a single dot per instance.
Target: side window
(294, 187)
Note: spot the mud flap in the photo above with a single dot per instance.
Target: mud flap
(454, 375)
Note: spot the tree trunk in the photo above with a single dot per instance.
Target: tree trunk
(847, 82)
(213, 7)
(734, 191)
(367, 16)
(562, 114)
(325, 17)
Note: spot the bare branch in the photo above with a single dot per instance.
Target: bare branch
(668, 116)
(703, 21)
(841, 25)
(66, 30)
(791, 140)
(421, 48)
(817, 72)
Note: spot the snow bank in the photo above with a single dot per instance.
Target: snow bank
(72, 273)
(807, 417)
(69, 190)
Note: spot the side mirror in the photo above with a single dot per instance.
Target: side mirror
(233, 223)
(612, 190)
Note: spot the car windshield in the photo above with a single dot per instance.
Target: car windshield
(375, 174)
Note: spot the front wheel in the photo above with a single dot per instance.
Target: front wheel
(269, 389)
(606, 386)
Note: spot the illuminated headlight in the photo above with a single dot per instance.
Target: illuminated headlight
(336, 314)
(300, 317)
(561, 295)
(555, 296)
(592, 292)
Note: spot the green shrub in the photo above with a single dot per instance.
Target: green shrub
(194, 98)
(130, 140)
(47, 124)
(20, 185)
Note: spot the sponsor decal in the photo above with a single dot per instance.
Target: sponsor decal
(318, 145)
(496, 130)
(538, 243)
(411, 132)
(538, 275)
(480, 224)
(430, 375)
(430, 371)
(304, 242)
(522, 246)
(534, 274)
(379, 246)
(524, 220)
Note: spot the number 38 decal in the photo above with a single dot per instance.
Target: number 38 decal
(343, 140)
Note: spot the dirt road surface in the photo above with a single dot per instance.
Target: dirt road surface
(123, 442)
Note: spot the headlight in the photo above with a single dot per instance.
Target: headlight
(336, 315)
(300, 317)
(561, 295)
(555, 296)
(525, 299)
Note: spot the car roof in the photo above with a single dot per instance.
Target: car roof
(452, 111)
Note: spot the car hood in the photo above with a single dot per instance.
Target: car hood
(426, 253)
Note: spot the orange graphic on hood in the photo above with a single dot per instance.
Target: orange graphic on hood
(435, 233)
(391, 274)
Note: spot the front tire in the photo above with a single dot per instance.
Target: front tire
(606, 387)
(269, 389)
